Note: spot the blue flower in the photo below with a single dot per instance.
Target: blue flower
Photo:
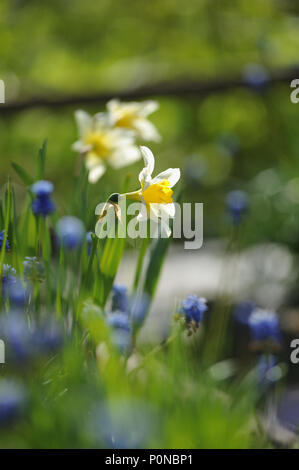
(12, 398)
(237, 203)
(8, 276)
(42, 205)
(264, 325)
(243, 311)
(70, 231)
(12, 288)
(23, 342)
(89, 242)
(122, 340)
(256, 76)
(47, 338)
(119, 320)
(7, 247)
(17, 293)
(42, 188)
(33, 269)
(193, 309)
(121, 335)
(17, 337)
(119, 298)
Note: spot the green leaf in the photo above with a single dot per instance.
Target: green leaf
(25, 177)
(41, 158)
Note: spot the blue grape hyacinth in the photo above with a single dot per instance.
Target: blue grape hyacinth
(89, 242)
(42, 204)
(256, 76)
(237, 204)
(71, 232)
(243, 310)
(17, 293)
(119, 320)
(33, 269)
(25, 342)
(193, 308)
(8, 275)
(7, 246)
(264, 326)
(12, 288)
(119, 298)
(121, 335)
(12, 399)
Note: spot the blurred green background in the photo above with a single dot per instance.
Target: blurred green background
(240, 138)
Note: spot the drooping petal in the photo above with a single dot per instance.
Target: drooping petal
(95, 166)
(96, 173)
(84, 121)
(172, 175)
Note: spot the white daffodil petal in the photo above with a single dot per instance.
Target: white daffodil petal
(112, 104)
(92, 160)
(142, 216)
(124, 156)
(148, 107)
(98, 228)
(172, 175)
(165, 229)
(80, 147)
(148, 157)
(167, 210)
(154, 211)
(84, 121)
(149, 161)
(146, 130)
(101, 120)
(123, 137)
(96, 172)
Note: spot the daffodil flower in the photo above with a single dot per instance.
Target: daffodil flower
(102, 144)
(156, 193)
(134, 116)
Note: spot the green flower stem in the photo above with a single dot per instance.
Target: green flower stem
(6, 225)
(140, 262)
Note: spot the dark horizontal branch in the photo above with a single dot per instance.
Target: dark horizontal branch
(183, 88)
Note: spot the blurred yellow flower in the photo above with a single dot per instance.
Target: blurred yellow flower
(103, 144)
(133, 116)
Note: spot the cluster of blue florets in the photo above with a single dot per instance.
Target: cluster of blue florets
(42, 204)
(127, 314)
(264, 326)
(192, 310)
(2, 236)
(237, 204)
